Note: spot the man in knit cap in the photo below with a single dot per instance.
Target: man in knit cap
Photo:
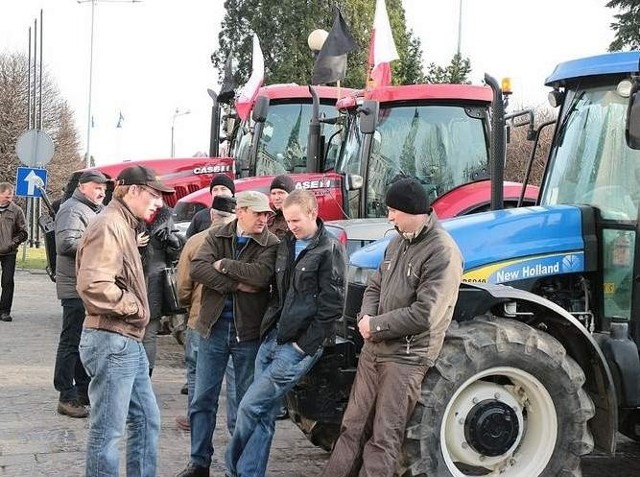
(406, 309)
(221, 184)
(281, 187)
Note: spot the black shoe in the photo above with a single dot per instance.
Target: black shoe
(72, 409)
(83, 400)
(194, 471)
(6, 317)
(185, 389)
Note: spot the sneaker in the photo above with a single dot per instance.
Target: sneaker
(183, 423)
(72, 409)
(6, 317)
(193, 470)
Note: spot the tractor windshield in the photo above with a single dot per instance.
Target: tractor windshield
(591, 162)
(282, 147)
(443, 146)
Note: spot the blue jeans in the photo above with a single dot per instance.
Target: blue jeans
(121, 397)
(192, 341)
(278, 369)
(232, 398)
(213, 357)
(190, 359)
(69, 377)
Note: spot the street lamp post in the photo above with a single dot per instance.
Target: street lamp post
(316, 39)
(173, 125)
(89, 118)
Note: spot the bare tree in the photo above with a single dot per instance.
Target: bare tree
(520, 147)
(57, 121)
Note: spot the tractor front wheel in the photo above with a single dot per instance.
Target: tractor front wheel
(503, 398)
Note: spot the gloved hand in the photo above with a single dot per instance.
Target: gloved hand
(162, 234)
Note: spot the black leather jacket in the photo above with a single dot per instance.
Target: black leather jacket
(309, 291)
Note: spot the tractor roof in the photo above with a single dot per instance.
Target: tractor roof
(607, 64)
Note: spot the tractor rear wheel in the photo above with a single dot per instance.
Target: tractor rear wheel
(503, 398)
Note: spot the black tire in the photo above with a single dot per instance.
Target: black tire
(478, 402)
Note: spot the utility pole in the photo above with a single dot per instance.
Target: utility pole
(91, 42)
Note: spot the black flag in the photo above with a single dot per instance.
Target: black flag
(331, 63)
(228, 88)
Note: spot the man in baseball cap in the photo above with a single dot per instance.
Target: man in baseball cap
(235, 265)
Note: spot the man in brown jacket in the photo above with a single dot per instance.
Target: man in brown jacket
(111, 284)
(223, 211)
(235, 265)
(405, 312)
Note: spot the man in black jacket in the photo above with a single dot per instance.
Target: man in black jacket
(308, 298)
(221, 184)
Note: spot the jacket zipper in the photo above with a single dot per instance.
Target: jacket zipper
(233, 295)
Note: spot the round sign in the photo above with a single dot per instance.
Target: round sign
(34, 148)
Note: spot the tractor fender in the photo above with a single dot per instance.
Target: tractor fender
(480, 298)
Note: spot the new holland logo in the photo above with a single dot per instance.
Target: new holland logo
(571, 263)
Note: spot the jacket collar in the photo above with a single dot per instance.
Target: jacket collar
(229, 231)
(432, 218)
(122, 208)
(80, 197)
(313, 241)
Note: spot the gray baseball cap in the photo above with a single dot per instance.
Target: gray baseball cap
(254, 200)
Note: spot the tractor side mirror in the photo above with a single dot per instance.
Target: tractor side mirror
(368, 116)
(260, 109)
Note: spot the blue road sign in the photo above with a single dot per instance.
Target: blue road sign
(29, 180)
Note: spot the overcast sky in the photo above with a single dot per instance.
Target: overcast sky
(153, 57)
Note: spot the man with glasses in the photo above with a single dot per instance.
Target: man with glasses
(235, 265)
(112, 287)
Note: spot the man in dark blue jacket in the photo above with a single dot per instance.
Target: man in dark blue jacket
(309, 294)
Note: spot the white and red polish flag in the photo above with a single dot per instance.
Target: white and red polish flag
(248, 93)
(382, 49)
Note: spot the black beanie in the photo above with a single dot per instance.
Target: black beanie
(223, 180)
(407, 195)
(283, 182)
(223, 203)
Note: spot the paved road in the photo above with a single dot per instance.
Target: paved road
(35, 441)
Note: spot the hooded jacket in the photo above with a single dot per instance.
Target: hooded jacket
(70, 223)
(109, 273)
(253, 265)
(412, 296)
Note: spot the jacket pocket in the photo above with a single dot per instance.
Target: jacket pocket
(306, 278)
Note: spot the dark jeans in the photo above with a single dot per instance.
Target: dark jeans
(382, 399)
(69, 377)
(8, 264)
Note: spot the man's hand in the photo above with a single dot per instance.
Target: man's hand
(142, 239)
(364, 327)
(217, 265)
(243, 287)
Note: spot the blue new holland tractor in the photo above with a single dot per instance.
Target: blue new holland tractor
(540, 365)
